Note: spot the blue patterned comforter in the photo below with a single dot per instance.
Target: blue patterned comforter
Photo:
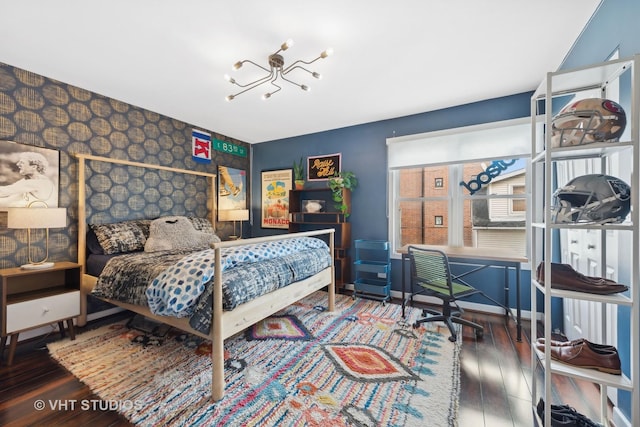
(176, 283)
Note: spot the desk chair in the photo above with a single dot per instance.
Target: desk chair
(430, 271)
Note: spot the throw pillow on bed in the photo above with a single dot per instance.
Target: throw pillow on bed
(126, 236)
(176, 232)
(202, 224)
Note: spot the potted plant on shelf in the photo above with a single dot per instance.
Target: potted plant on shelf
(298, 174)
(343, 180)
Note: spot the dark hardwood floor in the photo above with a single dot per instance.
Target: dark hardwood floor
(495, 378)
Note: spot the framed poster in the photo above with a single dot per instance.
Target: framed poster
(232, 188)
(29, 175)
(275, 185)
(321, 168)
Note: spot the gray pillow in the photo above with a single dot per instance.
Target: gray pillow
(176, 232)
(203, 224)
(125, 236)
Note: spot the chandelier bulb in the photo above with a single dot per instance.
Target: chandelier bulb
(266, 96)
(229, 98)
(286, 45)
(317, 75)
(326, 53)
(230, 79)
(237, 65)
(305, 88)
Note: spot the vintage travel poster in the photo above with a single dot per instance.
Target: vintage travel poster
(275, 198)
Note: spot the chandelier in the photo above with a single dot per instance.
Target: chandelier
(276, 71)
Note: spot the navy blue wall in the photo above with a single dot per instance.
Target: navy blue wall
(364, 152)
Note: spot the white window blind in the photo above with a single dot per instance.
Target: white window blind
(508, 138)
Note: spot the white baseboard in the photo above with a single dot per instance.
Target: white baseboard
(104, 313)
(41, 331)
(483, 308)
(53, 328)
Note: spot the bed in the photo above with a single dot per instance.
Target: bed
(224, 323)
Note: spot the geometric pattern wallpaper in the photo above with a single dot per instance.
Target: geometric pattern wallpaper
(39, 111)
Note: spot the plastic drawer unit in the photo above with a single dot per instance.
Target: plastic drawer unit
(372, 267)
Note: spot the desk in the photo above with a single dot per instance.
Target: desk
(480, 258)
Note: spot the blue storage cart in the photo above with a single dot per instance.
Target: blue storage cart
(372, 267)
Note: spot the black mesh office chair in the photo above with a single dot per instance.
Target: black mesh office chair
(430, 271)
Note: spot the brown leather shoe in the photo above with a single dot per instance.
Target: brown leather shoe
(567, 270)
(563, 276)
(583, 356)
(593, 346)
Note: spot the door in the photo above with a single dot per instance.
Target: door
(583, 250)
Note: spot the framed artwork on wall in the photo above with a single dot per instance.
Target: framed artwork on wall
(321, 168)
(29, 175)
(232, 188)
(275, 186)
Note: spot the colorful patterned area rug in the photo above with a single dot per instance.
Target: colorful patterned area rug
(359, 365)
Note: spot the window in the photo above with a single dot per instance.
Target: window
(518, 206)
(461, 201)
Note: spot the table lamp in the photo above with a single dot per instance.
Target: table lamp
(30, 218)
(234, 215)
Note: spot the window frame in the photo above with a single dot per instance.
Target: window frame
(519, 212)
(455, 196)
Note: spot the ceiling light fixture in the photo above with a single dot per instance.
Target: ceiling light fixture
(276, 71)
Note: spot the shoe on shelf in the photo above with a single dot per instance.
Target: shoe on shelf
(583, 355)
(564, 277)
(554, 343)
(565, 415)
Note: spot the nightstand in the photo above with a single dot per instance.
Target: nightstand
(35, 298)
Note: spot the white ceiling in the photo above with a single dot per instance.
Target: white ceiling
(390, 59)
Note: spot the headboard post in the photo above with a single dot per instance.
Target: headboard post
(212, 203)
(82, 214)
(82, 239)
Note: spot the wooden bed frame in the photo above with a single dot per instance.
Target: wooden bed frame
(224, 323)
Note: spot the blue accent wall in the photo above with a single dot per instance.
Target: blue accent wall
(364, 152)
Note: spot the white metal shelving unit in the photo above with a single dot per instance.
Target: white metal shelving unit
(568, 83)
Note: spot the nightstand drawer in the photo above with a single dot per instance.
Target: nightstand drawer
(42, 311)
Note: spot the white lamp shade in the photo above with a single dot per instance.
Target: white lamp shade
(233, 215)
(36, 217)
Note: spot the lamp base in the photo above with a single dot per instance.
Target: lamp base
(39, 266)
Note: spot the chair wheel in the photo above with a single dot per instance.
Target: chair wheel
(453, 338)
